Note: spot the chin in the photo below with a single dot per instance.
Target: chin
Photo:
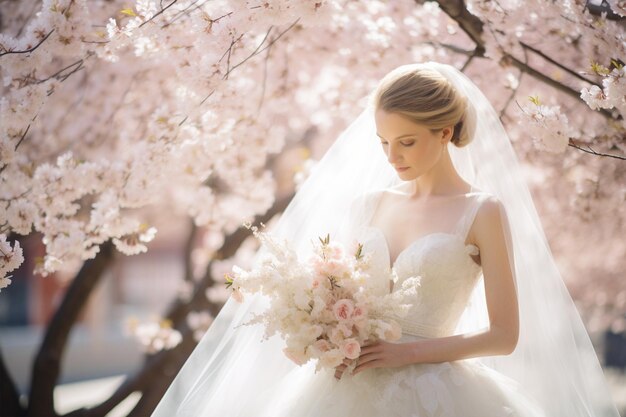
(407, 175)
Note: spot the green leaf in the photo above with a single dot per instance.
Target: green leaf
(534, 100)
(128, 12)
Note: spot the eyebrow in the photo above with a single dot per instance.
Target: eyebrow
(399, 137)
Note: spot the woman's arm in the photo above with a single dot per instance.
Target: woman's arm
(491, 232)
(492, 235)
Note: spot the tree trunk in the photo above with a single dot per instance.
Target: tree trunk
(9, 397)
(47, 364)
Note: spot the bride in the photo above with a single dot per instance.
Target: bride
(426, 179)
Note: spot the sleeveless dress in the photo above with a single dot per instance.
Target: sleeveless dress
(462, 388)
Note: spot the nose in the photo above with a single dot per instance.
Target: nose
(393, 155)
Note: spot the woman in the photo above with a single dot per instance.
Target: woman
(427, 180)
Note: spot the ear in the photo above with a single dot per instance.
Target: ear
(446, 134)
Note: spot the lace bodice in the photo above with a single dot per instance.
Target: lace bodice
(447, 271)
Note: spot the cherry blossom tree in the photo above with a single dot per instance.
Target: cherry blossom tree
(111, 112)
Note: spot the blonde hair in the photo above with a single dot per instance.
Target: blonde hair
(426, 97)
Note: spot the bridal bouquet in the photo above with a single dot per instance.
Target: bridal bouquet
(325, 307)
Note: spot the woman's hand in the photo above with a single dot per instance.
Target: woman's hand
(339, 370)
(381, 354)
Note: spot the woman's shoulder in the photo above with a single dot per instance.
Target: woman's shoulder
(491, 215)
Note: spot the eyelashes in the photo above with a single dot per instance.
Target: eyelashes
(406, 145)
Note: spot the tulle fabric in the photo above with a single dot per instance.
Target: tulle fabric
(232, 373)
(449, 389)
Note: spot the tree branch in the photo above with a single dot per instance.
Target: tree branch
(573, 144)
(551, 82)
(9, 397)
(46, 368)
(189, 244)
(470, 24)
(165, 362)
(558, 64)
(7, 52)
(473, 27)
(163, 9)
(258, 49)
(163, 366)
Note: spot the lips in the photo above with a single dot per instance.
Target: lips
(400, 169)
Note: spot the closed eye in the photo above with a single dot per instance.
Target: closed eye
(405, 144)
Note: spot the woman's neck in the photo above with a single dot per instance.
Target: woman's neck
(441, 181)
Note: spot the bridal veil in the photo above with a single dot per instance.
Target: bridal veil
(232, 369)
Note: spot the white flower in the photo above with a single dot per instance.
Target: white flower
(199, 322)
(548, 127)
(320, 315)
(130, 244)
(20, 215)
(155, 336)
(594, 97)
(10, 259)
(4, 282)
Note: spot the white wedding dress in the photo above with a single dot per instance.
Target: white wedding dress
(233, 373)
(463, 388)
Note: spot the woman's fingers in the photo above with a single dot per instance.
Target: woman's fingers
(340, 369)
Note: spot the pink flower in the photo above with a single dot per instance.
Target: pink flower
(358, 312)
(351, 349)
(343, 309)
(335, 251)
(335, 268)
(329, 267)
(322, 345)
(329, 298)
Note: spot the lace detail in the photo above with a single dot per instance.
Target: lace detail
(464, 388)
(447, 274)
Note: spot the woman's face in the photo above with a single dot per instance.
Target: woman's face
(409, 145)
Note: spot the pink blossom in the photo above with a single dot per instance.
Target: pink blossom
(322, 345)
(336, 268)
(330, 267)
(335, 251)
(351, 348)
(359, 311)
(343, 309)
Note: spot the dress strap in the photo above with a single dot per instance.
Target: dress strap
(467, 219)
